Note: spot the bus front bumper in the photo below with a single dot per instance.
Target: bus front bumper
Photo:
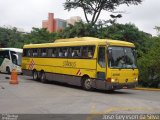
(104, 85)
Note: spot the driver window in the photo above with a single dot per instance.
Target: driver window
(101, 57)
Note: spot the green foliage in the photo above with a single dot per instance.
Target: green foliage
(40, 36)
(130, 33)
(149, 64)
(11, 37)
(80, 29)
(127, 32)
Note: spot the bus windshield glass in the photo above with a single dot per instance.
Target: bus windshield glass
(121, 57)
(16, 58)
(19, 55)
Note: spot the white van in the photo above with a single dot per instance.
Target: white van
(10, 58)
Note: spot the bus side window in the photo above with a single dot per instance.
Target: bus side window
(70, 52)
(66, 51)
(24, 52)
(44, 52)
(29, 52)
(60, 52)
(6, 54)
(54, 52)
(79, 53)
(49, 52)
(76, 52)
(101, 56)
(35, 52)
(91, 50)
(84, 52)
(1, 54)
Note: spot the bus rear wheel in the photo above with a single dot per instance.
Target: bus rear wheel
(35, 75)
(43, 77)
(87, 84)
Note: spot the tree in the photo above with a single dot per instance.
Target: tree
(158, 30)
(94, 7)
(11, 37)
(127, 32)
(80, 29)
(3, 37)
(149, 64)
(38, 35)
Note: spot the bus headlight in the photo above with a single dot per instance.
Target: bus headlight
(113, 80)
(136, 79)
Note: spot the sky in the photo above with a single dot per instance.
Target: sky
(26, 14)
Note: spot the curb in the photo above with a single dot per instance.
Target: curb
(146, 89)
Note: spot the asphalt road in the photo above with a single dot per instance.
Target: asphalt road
(34, 97)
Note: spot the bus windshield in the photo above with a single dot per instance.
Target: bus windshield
(16, 58)
(19, 58)
(121, 57)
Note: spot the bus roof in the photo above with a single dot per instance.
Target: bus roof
(81, 41)
(12, 49)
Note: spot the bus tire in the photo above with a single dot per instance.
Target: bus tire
(8, 70)
(35, 75)
(43, 77)
(110, 91)
(87, 84)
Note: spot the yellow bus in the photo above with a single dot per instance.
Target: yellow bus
(88, 62)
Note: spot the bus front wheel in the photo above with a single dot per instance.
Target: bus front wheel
(43, 77)
(35, 75)
(87, 84)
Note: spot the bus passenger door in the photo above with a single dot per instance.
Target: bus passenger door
(101, 68)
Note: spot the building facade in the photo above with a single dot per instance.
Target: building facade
(56, 24)
(73, 20)
(50, 23)
(60, 24)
